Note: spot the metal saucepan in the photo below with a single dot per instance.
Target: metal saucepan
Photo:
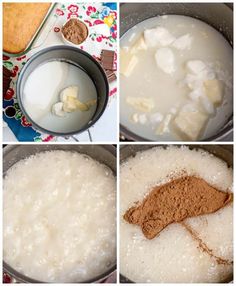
(224, 152)
(105, 154)
(77, 57)
(218, 15)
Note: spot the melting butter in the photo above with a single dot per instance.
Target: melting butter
(70, 102)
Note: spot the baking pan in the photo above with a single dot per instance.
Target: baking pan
(34, 38)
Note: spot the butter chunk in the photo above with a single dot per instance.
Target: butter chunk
(214, 90)
(139, 118)
(72, 104)
(158, 37)
(190, 122)
(91, 102)
(57, 109)
(134, 118)
(143, 104)
(70, 91)
(70, 101)
(139, 45)
(164, 125)
(143, 119)
(165, 60)
(128, 62)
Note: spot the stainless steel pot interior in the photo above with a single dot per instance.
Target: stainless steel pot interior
(224, 152)
(77, 57)
(218, 15)
(105, 154)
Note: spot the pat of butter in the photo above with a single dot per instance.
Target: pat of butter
(139, 118)
(128, 62)
(134, 117)
(70, 103)
(214, 90)
(164, 125)
(139, 45)
(70, 91)
(143, 104)
(190, 122)
(57, 109)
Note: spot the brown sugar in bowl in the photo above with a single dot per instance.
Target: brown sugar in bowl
(74, 32)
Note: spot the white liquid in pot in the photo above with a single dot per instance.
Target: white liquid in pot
(174, 256)
(42, 89)
(166, 90)
(59, 217)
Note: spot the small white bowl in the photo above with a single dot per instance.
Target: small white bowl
(67, 42)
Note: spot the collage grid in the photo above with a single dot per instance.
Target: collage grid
(117, 142)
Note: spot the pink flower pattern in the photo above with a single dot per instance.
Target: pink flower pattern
(73, 11)
(59, 12)
(91, 10)
(57, 29)
(24, 121)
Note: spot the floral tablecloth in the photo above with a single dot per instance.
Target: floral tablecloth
(101, 19)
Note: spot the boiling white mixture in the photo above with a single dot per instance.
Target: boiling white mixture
(176, 79)
(59, 217)
(42, 90)
(174, 256)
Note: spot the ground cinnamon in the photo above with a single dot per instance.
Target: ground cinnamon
(203, 246)
(75, 31)
(175, 201)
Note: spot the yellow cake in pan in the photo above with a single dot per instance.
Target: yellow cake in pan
(20, 23)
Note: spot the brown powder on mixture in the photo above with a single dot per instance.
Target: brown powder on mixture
(203, 247)
(75, 31)
(175, 201)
